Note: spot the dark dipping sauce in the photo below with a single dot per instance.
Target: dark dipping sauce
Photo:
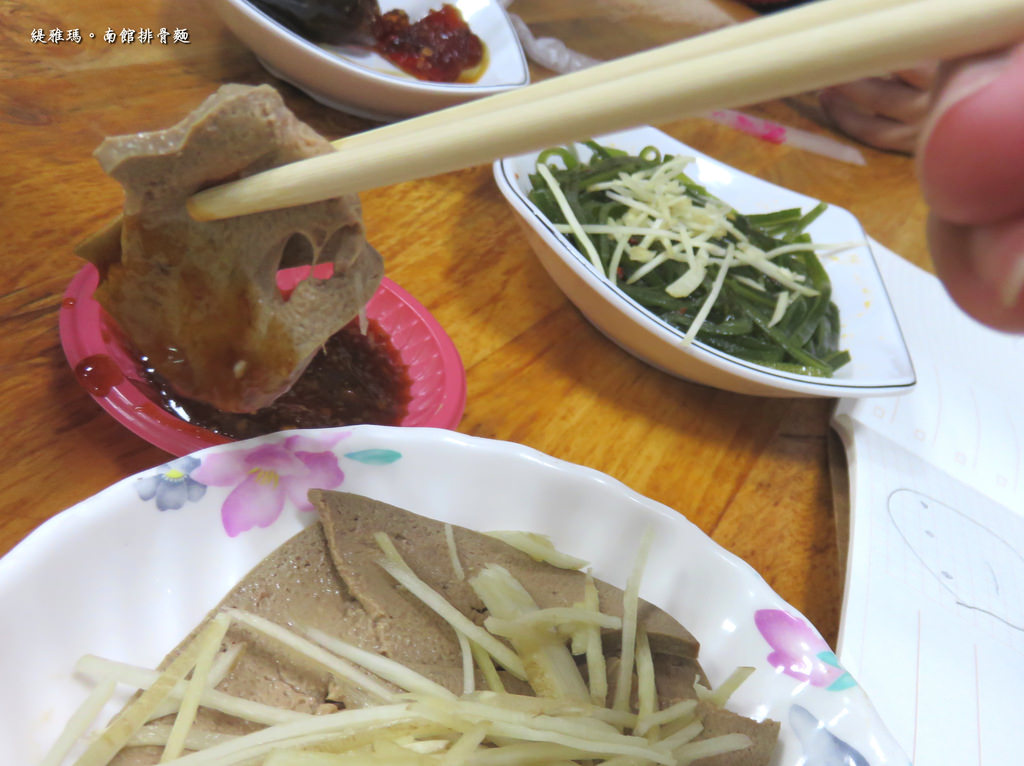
(437, 48)
(354, 379)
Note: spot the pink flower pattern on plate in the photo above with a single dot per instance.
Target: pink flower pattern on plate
(268, 475)
(799, 652)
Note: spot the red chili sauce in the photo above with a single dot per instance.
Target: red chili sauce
(439, 47)
(354, 379)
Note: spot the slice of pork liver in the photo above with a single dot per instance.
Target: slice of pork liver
(296, 584)
(327, 577)
(351, 521)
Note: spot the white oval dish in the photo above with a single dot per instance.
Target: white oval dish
(354, 79)
(880, 364)
(127, 573)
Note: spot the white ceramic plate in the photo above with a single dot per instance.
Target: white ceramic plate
(128, 572)
(880, 363)
(356, 80)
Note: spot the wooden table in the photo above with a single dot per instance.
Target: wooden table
(752, 473)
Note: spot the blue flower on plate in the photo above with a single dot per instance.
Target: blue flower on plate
(822, 747)
(172, 485)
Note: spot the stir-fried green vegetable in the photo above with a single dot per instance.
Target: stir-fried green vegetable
(750, 286)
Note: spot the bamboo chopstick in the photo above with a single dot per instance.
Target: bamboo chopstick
(803, 17)
(779, 65)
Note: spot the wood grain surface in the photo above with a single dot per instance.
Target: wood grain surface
(751, 472)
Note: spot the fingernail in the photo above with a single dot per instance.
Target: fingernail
(964, 79)
(973, 75)
(1011, 290)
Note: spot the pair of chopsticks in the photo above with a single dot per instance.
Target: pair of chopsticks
(810, 47)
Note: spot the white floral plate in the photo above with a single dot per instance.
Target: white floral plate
(128, 572)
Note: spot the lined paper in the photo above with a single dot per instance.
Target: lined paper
(933, 610)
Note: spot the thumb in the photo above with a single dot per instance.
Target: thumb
(971, 151)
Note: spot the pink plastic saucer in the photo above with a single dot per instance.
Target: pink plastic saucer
(90, 337)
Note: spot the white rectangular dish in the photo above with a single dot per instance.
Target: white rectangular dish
(880, 364)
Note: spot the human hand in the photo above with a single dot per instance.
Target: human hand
(971, 167)
(883, 112)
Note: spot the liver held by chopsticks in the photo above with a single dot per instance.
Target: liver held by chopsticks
(199, 299)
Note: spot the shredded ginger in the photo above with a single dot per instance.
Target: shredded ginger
(416, 721)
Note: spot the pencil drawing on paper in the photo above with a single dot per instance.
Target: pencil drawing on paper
(981, 570)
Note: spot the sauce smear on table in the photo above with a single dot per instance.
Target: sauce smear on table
(355, 378)
(440, 47)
